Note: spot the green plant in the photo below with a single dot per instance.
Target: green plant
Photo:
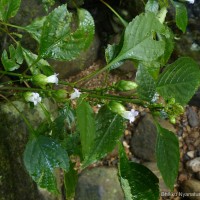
(149, 42)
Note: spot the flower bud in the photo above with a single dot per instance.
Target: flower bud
(116, 107)
(126, 85)
(40, 80)
(60, 94)
(172, 119)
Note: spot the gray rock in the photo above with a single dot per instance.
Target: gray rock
(192, 116)
(144, 138)
(190, 188)
(194, 165)
(99, 184)
(15, 183)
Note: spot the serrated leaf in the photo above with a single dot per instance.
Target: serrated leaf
(146, 84)
(58, 41)
(86, 126)
(167, 155)
(139, 39)
(137, 181)
(42, 66)
(70, 181)
(42, 155)
(16, 58)
(109, 128)
(181, 16)
(152, 6)
(180, 80)
(35, 28)
(8, 9)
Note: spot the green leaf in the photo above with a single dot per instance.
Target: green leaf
(109, 129)
(35, 28)
(180, 80)
(16, 58)
(8, 9)
(167, 155)
(137, 181)
(58, 41)
(152, 6)
(139, 39)
(181, 16)
(42, 155)
(42, 66)
(70, 181)
(146, 84)
(110, 54)
(86, 126)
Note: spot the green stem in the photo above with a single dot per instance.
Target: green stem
(25, 89)
(97, 72)
(117, 98)
(23, 117)
(28, 68)
(125, 24)
(12, 25)
(46, 112)
(14, 74)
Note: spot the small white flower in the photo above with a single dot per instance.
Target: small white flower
(130, 115)
(190, 1)
(52, 79)
(75, 94)
(155, 97)
(33, 97)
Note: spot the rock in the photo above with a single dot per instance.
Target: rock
(194, 165)
(190, 189)
(192, 116)
(15, 182)
(99, 184)
(153, 167)
(191, 154)
(144, 138)
(86, 59)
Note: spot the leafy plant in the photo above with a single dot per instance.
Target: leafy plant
(78, 130)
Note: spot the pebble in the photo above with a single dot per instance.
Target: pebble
(191, 154)
(193, 117)
(194, 165)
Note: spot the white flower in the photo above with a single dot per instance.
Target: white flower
(52, 79)
(190, 1)
(75, 94)
(33, 97)
(155, 97)
(130, 115)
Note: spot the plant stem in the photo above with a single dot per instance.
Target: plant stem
(25, 89)
(117, 98)
(95, 73)
(12, 25)
(125, 24)
(14, 74)
(28, 68)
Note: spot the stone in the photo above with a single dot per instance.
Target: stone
(194, 165)
(15, 182)
(153, 167)
(99, 183)
(144, 137)
(190, 188)
(192, 116)
(191, 154)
